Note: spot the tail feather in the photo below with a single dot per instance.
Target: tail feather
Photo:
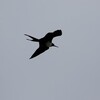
(33, 38)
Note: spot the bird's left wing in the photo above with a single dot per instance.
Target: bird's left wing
(39, 51)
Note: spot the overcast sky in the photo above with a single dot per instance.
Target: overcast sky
(70, 72)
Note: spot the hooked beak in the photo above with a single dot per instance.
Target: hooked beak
(56, 46)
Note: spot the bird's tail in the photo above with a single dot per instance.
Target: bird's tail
(32, 38)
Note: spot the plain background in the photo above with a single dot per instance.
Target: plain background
(70, 72)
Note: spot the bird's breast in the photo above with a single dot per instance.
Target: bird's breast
(48, 44)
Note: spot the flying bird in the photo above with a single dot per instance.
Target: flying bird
(45, 42)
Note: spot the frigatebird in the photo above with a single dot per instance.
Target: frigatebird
(45, 42)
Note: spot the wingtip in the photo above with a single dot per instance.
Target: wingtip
(30, 58)
(58, 32)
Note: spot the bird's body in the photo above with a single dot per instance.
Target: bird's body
(45, 42)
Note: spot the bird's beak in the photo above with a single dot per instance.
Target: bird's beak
(56, 46)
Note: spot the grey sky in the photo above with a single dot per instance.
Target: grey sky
(70, 72)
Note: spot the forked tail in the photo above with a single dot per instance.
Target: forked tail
(32, 38)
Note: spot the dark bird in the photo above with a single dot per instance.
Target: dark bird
(45, 42)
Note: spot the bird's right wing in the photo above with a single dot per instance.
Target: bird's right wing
(57, 33)
(39, 51)
(51, 35)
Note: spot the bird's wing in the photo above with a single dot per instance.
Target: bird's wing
(39, 51)
(57, 33)
(51, 35)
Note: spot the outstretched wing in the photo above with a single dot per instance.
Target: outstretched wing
(57, 33)
(51, 35)
(39, 51)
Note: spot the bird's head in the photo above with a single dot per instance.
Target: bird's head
(54, 45)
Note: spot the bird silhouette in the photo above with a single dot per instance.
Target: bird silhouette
(45, 42)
